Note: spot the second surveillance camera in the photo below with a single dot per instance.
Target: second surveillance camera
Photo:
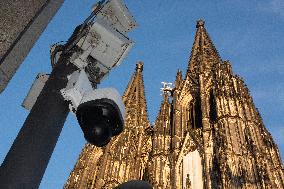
(101, 115)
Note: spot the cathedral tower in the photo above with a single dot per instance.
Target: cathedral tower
(126, 156)
(208, 134)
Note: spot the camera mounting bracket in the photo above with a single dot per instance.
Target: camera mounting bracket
(78, 84)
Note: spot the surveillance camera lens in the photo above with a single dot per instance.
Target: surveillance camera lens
(101, 131)
(100, 134)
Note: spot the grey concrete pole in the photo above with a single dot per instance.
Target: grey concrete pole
(26, 162)
(21, 24)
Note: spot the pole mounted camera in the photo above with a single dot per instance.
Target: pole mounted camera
(100, 112)
(100, 115)
(96, 46)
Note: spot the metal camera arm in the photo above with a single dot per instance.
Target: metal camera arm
(81, 30)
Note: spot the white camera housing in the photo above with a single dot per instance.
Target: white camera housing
(103, 46)
(105, 93)
(78, 84)
(100, 112)
(79, 90)
(101, 115)
(117, 15)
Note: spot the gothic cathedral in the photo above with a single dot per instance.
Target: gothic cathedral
(208, 134)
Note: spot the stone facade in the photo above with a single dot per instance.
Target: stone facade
(208, 134)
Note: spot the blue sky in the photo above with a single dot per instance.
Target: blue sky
(248, 33)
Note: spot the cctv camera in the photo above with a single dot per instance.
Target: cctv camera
(100, 112)
(101, 115)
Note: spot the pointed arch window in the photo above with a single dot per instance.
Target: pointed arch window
(197, 113)
(190, 116)
(212, 107)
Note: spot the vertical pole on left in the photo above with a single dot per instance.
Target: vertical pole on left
(26, 162)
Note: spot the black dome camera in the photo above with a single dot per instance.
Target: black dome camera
(100, 115)
(100, 112)
(100, 120)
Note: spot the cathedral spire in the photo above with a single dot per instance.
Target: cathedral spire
(135, 82)
(178, 79)
(134, 96)
(204, 55)
(163, 115)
